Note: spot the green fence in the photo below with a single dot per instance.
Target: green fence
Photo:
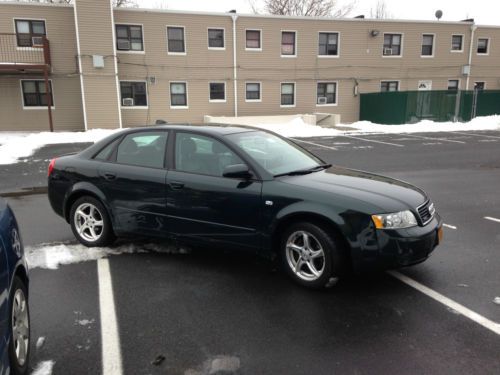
(407, 107)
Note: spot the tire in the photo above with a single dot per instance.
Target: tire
(19, 324)
(322, 253)
(90, 222)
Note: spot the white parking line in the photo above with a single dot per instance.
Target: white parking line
(476, 135)
(492, 219)
(485, 322)
(314, 144)
(449, 226)
(433, 139)
(110, 339)
(371, 140)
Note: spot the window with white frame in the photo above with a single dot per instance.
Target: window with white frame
(29, 33)
(328, 44)
(392, 44)
(217, 91)
(133, 94)
(178, 94)
(482, 46)
(175, 39)
(386, 86)
(253, 91)
(326, 93)
(453, 84)
(253, 39)
(35, 93)
(457, 42)
(216, 38)
(288, 94)
(479, 86)
(427, 45)
(129, 38)
(288, 42)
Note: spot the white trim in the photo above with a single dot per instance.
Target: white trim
(338, 46)
(84, 104)
(170, 95)
(56, 5)
(133, 106)
(400, 47)
(389, 80)
(453, 79)
(234, 18)
(463, 42)
(296, 50)
(336, 94)
(260, 42)
(260, 92)
(28, 107)
(142, 37)
(223, 38)
(433, 46)
(217, 100)
(18, 48)
(294, 94)
(115, 58)
(183, 39)
(488, 46)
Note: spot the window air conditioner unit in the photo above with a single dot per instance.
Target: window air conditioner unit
(123, 44)
(322, 100)
(152, 80)
(37, 41)
(387, 51)
(127, 102)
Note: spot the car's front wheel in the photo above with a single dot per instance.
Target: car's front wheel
(90, 222)
(19, 345)
(310, 255)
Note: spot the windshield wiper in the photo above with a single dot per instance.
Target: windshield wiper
(304, 171)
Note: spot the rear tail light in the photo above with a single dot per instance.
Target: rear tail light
(51, 166)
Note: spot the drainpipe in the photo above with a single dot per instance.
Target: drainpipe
(472, 30)
(235, 70)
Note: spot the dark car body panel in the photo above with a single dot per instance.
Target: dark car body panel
(245, 213)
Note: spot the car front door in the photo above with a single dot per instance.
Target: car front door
(205, 206)
(133, 180)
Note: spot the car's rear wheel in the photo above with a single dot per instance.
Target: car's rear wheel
(310, 255)
(90, 222)
(19, 345)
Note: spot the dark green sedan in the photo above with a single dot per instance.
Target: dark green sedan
(246, 189)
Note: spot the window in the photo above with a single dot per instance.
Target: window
(392, 44)
(27, 32)
(217, 91)
(427, 45)
(202, 155)
(34, 93)
(386, 86)
(144, 149)
(175, 36)
(326, 93)
(216, 38)
(479, 86)
(253, 39)
(328, 44)
(178, 94)
(482, 46)
(129, 38)
(133, 94)
(288, 43)
(288, 94)
(107, 151)
(453, 84)
(456, 42)
(253, 92)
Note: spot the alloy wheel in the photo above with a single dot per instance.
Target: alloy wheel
(305, 255)
(89, 222)
(20, 326)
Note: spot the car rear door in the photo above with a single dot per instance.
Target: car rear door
(203, 205)
(133, 181)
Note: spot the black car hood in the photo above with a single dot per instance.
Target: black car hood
(384, 192)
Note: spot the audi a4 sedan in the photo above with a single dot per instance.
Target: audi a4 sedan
(244, 189)
(14, 310)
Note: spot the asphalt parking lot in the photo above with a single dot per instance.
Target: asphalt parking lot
(214, 312)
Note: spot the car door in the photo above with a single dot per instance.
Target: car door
(4, 281)
(202, 204)
(133, 181)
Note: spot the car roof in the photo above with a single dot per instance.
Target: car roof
(221, 129)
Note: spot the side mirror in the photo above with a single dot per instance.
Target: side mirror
(237, 171)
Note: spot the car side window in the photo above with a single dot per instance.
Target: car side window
(202, 155)
(145, 149)
(106, 152)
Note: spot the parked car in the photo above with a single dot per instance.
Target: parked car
(248, 189)
(14, 309)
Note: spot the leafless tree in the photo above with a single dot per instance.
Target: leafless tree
(312, 8)
(380, 10)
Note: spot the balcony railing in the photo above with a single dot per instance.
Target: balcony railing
(36, 56)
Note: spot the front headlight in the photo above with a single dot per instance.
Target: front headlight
(396, 220)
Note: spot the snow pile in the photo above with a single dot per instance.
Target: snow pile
(50, 256)
(298, 128)
(14, 146)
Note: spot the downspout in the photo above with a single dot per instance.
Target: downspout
(472, 30)
(235, 69)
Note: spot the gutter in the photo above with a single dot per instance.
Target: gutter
(472, 30)
(235, 69)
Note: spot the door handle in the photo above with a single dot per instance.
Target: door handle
(175, 185)
(109, 176)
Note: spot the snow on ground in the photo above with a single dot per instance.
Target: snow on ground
(44, 368)
(50, 256)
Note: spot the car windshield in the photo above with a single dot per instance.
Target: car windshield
(274, 154)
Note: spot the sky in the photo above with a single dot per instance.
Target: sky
(485, 12)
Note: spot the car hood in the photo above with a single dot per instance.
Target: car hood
(386, 193)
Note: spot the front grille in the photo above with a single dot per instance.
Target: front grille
(426, 212)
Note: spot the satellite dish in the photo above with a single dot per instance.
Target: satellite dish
(439, 14)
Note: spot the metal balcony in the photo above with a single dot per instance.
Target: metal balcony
(32, 59)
